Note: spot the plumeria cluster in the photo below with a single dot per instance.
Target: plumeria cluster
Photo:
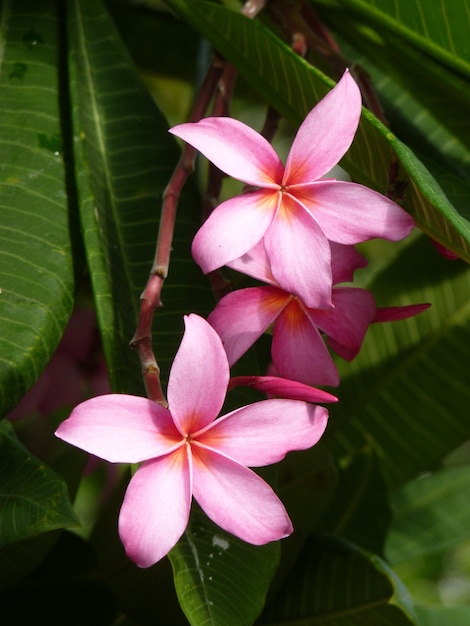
(295, 231)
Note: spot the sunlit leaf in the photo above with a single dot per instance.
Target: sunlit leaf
(440, 30)
(439, 615)
(431, 514)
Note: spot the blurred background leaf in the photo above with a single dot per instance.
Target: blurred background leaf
(431, 514)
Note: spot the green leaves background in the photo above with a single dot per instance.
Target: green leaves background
(84, 159)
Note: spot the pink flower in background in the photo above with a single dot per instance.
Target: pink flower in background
(298, 348)
(293, 211)
(185, 451)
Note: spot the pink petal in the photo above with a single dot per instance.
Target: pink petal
(237, 499)
(121, 428)
(283, 388)
(350, 213)
(155, 511)
(241, 317)
(344, 261)
(325, 135)
(346, 324)
(235, 148)
(255, 263)
(199, 376)
(233, 228)
(298, 350)
(264, 432)
(450, 255)
(395, 313)
(299, 254)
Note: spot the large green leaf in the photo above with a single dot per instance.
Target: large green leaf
(431, 514)
(425, 104)
(124, 159)
(37, 281)
(440, 30)
(407, 388)
(292, 86)
(336, 584)
(33, 498)
(220, 579)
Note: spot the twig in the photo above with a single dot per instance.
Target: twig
(221, 76)
(151, 296)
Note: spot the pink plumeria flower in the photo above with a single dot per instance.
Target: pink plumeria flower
(185, 451)
(292, 210)
(298, 349)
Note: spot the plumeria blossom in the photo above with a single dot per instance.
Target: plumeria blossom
(185, 451)
(292, 210)
(298, 349)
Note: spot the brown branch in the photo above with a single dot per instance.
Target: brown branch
(220, 76)
(151, 296)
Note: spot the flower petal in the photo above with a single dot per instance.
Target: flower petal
(298, 350)
(233, 228)
(350, 213)
(344, 261)
(235, 148)
(326, 134)
(264, 432)
(199, 376)
(255, 263)
(155, 511)
(283, 388)
(395, 313)
(242, 316)
(120, 428)
(346, 324)
(237, 499)
(299, 254)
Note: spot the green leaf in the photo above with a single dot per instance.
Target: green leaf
(439, 615)
(407, 388)
(220, 579)
(359, 510)
(431, 514)
(337, 584)
(292, 86)
(425, 105)
(37, 274)
(33, 498)
(441, 31)
(124, 159)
